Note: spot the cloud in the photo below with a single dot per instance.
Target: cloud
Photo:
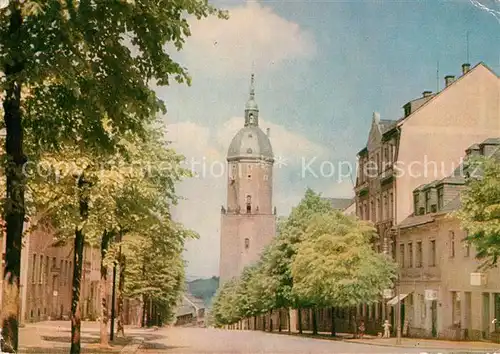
(253, 34)
(205, 149)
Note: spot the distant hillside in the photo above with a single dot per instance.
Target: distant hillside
(204, 289)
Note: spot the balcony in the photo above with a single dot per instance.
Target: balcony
(387, 174)
(362, 188)
(55, 270)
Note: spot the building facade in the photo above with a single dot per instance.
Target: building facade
(424, 145)
(47, 275)
(444, 294)
(248, 222)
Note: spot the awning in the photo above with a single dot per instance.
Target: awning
(394, 300)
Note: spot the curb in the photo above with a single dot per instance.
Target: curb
(468, 350)
(133, 347)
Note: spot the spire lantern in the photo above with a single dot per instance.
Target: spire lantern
(251, 108)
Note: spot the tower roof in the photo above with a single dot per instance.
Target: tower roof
(251, 142)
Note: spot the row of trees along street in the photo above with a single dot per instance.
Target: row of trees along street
(77, 100)
(320, 258)
(324, 259)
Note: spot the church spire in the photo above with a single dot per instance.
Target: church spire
(252, 86)
(251, 108)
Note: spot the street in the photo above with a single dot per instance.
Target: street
(208, 341)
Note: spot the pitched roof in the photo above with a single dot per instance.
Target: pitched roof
(416, 220)
(340, 203)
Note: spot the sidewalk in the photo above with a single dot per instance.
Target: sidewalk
(55, 337)
(429, 344)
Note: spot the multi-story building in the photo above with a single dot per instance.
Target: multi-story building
(424, 145)
(443, 294)
(47, 274)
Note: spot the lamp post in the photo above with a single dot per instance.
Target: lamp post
(398, 308)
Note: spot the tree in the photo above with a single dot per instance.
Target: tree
(74, 58)
(336, 265)
(480, 210)
(278, 257)
(225, 305)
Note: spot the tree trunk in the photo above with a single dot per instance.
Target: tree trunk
(299, 317)
(15, 181)
(254, 323)
(314, 321)
(103, 288)
(121, 285)
(333, 322)
(271, 320)
(143, 317)
(83, 200)
(279, 320)
(289, 320)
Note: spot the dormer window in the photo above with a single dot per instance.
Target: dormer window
(416, 200)
(407, 109)
(441, 198)
(427, 201)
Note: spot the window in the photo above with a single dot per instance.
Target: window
(402, 255)
(452, 243)
(385, 208)
(418, 261)
(40, 269)
(386, 154)
(432, 254)
(440, 198)
(379, 210)
(410, 255)
(266, 177)
(249, 204)
(62, 272)
(433, 208)
(47, 265)
(427, 201)
(416, 201)
(33, 270)
(247, 243)
(391, 205)
(466, 249)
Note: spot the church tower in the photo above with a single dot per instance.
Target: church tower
(248, 222)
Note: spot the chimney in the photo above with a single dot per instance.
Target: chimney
(448, 80)
(268, 132)
(426, 93)
(465, 68)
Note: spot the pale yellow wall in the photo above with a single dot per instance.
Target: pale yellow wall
(451, 274)
(465, 113)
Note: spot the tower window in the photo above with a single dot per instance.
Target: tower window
(247, 243)
(249, 204)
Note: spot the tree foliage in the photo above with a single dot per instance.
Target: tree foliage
(319, 258)
(480, 210)
(336, 264)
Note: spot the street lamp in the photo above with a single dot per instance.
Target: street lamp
(398, 284)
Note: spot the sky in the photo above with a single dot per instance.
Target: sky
(321, 69)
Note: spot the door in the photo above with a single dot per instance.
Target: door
(434, 318)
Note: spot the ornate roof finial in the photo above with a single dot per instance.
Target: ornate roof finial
(252, 86)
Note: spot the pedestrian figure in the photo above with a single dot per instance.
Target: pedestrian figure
(361, 329)
(387, 329)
